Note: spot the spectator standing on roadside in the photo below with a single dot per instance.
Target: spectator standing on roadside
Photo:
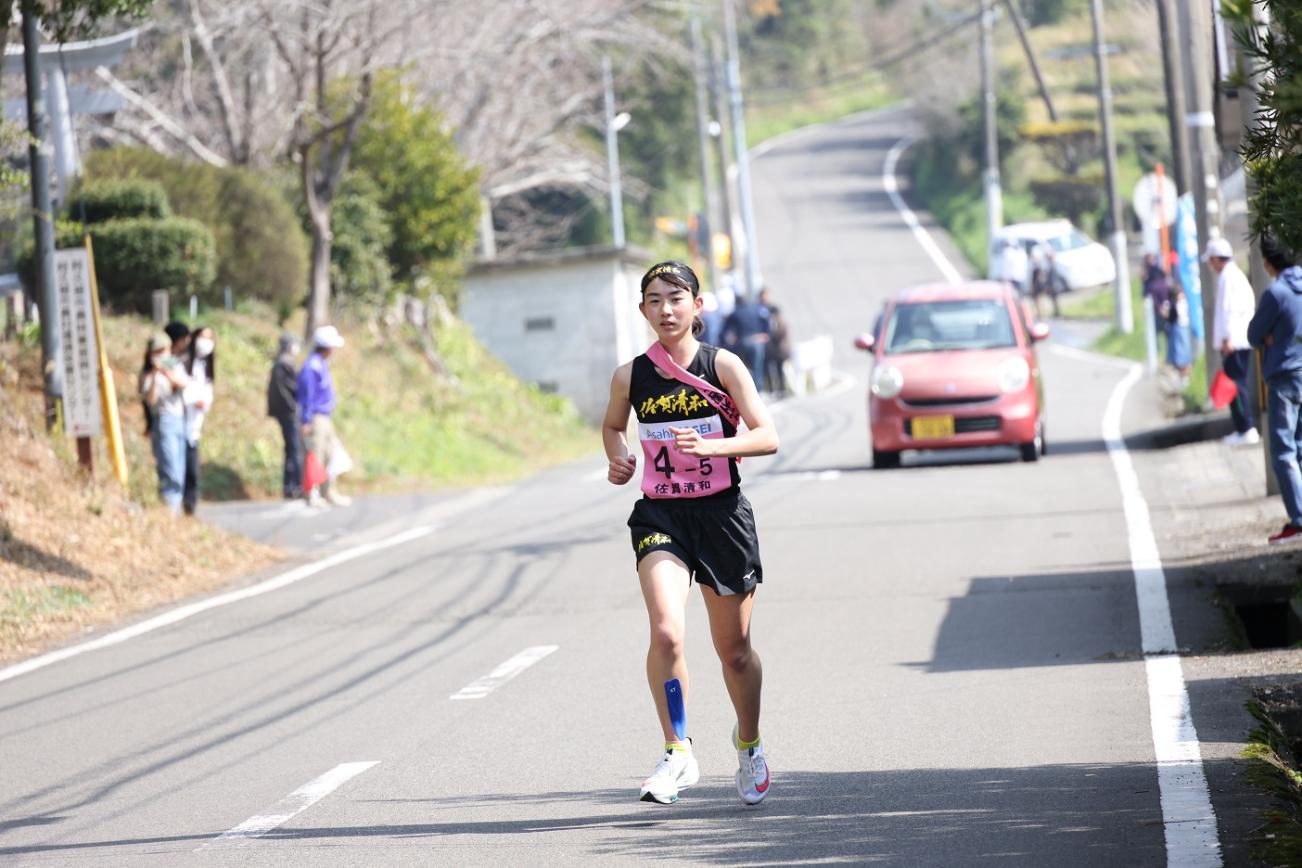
(711, 319)
(1275, 329)
(1044, 279)
(282, 405)
(316, 405)
(1179, 345)
(747, 329)
(1157, 289)
(778, 351)
(200, 362)
(1014, 264)
(1235, 305)
(162, 382)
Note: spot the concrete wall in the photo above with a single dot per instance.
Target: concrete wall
(565, 326)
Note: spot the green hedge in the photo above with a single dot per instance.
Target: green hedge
(261, 249)
(137, 256)
(101, 201)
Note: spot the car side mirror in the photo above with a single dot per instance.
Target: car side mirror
(1040, 332)
(865, 342)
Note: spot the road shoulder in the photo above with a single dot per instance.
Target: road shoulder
(1210, 517)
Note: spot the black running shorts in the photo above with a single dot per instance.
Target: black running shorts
(715, 537)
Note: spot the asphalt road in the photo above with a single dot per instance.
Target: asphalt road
(953, 669)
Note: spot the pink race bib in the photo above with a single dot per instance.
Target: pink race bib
(669, 474)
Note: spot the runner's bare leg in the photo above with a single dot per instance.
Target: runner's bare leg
(665, 585)
(730, 630)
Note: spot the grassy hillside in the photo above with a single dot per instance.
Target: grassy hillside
(405, 426)
(74, 553)
(78, 551)
(947, 173)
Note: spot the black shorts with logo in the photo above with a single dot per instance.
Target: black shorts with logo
(714, 536)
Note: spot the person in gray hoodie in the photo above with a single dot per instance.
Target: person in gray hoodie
(1276, 328)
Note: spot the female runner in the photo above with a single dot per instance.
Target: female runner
(692, 521)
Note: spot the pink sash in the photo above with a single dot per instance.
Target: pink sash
(669, 474)
(718, 398)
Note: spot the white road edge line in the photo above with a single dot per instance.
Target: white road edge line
(1188, 817)
(287, 808)
(910, 219)
(481, 687)
(181, 613)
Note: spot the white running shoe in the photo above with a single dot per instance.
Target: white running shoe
(753, 777)
(1250, 437)
(676, 771)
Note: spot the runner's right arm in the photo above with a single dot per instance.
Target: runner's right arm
(614, 429)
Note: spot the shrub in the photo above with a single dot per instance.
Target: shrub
(261, 250)
(100, 201)
(427, 189)
(359, 265)
(1069, 196)
(137, 256)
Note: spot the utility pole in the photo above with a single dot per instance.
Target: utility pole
(1204, 178)
(1011, 8)
(727, 203)
(1121, 286)
(42, 217)
(612, 157)
(703, 140)
(993, 191)
(1175, 91)
(739, 145)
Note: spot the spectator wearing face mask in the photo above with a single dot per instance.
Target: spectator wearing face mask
(201, 368)
(162, 382)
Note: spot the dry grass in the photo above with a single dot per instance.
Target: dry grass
(77, 553)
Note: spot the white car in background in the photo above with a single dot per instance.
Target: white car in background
(1078, 260)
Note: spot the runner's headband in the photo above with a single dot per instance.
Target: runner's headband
(673, 272)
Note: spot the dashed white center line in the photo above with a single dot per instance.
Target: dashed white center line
(295, 803)
(481, 687)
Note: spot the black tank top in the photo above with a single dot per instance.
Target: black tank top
(663, 402)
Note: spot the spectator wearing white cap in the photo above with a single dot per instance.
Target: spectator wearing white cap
(1235, 305)
(316, 405)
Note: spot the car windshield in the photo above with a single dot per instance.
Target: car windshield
(1073, 240)
(972, 324)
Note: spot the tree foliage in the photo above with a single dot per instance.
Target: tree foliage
(67, 20)
(261, 249)
(98, 201)
(359, 262)
(1272, 147)
(421, 182)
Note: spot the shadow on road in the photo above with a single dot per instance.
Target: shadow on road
(1096, 815)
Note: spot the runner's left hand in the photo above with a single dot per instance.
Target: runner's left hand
(689, 441)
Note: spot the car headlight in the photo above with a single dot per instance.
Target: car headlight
(887, 381)
(1014, 374)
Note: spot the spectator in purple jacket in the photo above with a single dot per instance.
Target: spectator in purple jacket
(316, 404)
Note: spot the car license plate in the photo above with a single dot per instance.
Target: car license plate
(933, 427)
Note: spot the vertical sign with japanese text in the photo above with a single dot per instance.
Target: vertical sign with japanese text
(81, 399)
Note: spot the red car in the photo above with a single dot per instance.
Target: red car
(954, 366)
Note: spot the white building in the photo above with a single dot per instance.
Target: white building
(563, 320)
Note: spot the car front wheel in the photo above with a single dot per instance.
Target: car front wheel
(1033, 450)
(885, 460)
